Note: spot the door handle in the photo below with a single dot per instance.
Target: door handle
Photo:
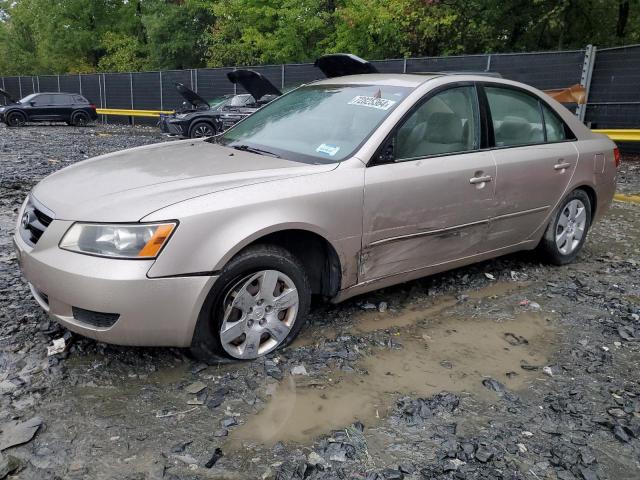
(561, 166)
(476, 180)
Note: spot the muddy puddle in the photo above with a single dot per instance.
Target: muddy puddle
(372, 320)
(438, 351)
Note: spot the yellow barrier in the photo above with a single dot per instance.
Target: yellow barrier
(624, 197)
(132, 113)
(621, 135)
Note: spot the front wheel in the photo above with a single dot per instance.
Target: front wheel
(257, 305)
(202, 129)
(16, 119)
(567, 230)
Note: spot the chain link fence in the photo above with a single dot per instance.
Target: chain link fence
(611, 76)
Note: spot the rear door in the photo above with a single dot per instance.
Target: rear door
(429, 198)
(535, 155)
(62, 107)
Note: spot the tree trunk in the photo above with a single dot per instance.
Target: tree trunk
(623, 17)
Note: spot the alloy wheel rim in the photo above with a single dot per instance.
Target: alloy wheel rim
(571, 226)
(15, 120)
(203, 131)
(259, 312)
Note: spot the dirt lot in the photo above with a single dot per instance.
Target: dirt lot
(508, 369)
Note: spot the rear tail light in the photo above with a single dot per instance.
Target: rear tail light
(616, 156)
(92, 106)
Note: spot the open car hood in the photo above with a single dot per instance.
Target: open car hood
(253, 82)
(190, 96)
(7, 96)
(340, 64)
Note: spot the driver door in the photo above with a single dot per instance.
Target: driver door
(430, 195)
(41, 108)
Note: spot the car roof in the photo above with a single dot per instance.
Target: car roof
(394, 79)
(57, 93)
(411, 80)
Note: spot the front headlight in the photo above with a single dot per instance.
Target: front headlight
(141, 241)
(182, 115)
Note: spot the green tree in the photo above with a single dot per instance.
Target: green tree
(176, 33)
(250, 32)
(58, 36)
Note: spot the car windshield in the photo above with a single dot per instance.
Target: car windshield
(219, 102)
(28, 98)
(316, 123)
(240, 100)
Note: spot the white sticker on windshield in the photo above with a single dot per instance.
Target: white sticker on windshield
(373, 102)
(330, 150)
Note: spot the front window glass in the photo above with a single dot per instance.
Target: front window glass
(317, 123)
(28, 98)
(42, 100)
(446, 123)
(517, 118)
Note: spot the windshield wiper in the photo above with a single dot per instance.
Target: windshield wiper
(259, 151)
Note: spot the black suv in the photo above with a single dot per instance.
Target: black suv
(201, 119)
(71, 108)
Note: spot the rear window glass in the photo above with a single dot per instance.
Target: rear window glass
(61, 99)
(516, 116)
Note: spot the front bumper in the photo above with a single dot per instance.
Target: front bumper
(151, 311)
(174, 127)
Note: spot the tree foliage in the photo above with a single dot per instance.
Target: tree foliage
(58, 36)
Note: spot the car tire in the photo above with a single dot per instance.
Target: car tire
(16, 119)
(80, 119)
(202, 129)
(567, 231)
(242, 321)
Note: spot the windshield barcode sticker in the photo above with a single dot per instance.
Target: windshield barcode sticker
(330, 150)
(373, 102)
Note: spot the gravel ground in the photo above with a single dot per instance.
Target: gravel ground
(508, 369)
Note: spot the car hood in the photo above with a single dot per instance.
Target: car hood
(128, 185)
(6, 95)
(253, 82)
(190, 96)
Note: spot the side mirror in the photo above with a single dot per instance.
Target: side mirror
(32, 103)
(387, 152)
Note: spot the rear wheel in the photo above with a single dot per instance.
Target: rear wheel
(16, 119)
(257, 305)
(80, 119)
(567, 230)
(202, 129)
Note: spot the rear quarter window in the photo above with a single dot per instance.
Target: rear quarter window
(79, 99)
(556, 129)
